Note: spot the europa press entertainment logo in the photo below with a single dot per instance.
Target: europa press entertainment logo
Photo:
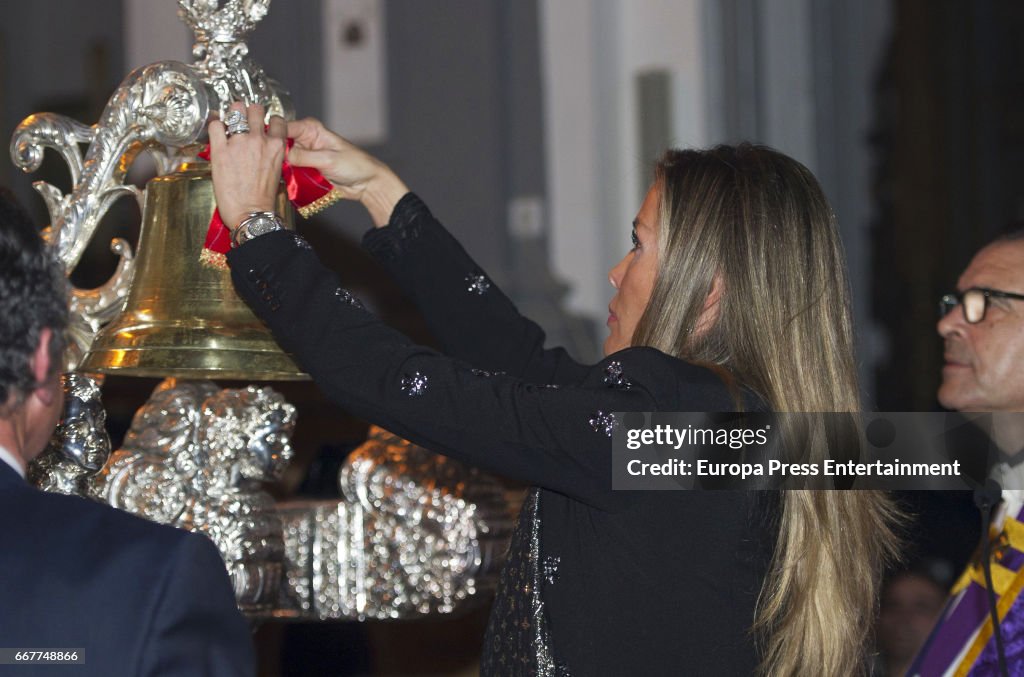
(831, 450)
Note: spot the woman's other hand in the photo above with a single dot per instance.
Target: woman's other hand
(355, 174)
(246, 166)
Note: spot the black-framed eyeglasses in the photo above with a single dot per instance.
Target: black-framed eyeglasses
(973, 302)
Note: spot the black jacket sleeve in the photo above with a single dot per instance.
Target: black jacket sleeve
(557, 438)
(469, 315)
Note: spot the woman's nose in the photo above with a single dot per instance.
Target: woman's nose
(617, 271)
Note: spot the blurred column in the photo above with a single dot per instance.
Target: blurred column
(153, 32)
(620, 78)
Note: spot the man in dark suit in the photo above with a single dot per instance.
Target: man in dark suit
(126, 596)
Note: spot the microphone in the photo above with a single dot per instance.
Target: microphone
(986, 497)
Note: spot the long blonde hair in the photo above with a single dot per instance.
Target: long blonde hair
(758, 223)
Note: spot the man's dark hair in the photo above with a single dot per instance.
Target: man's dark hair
(33, 297)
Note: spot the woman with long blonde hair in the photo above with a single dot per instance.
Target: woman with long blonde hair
(761, 228)
(733, 296)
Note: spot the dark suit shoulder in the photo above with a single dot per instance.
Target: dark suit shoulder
(94, 522)
(86, 541)
(163, 593)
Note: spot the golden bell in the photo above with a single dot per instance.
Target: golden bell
(182, 317)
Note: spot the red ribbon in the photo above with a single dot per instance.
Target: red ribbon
(308, 191)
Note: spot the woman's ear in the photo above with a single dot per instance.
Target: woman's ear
(717, 287)
(709, 313)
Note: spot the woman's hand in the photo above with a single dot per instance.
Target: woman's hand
(246, 167)
(355, 174)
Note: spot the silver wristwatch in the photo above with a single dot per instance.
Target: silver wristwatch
(254, 225)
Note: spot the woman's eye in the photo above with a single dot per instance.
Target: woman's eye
(635, 239)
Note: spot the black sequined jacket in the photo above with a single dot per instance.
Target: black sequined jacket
(597, 582)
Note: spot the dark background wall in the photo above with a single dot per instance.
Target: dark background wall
(54, 55)
(949, 174)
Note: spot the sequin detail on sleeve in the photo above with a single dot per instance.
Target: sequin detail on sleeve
(301, 242)
(478, 283)
(614, 378)
(550, 568)
(414, 384)
(486, 374)
(345, 296)
(603, 422)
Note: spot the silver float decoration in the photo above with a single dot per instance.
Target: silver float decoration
(194, 458)
(416, 534)
(223, 60)
(79, 446)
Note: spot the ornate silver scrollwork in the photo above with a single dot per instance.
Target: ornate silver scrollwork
(222, 57)
(93, 308)
(49, 130)
(415, 534)
(79, 446)
(164, 103)
(194, 458)
(160, 107)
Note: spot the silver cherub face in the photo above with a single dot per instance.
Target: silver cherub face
(249, 432)
(79, 446)
(81, 434)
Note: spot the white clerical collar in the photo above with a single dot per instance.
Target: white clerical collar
(8, 458)
(1011, 476)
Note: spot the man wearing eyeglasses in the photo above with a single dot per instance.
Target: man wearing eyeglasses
(984, 355)
(982, 324)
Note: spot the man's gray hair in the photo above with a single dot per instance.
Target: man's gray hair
(33, 297)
